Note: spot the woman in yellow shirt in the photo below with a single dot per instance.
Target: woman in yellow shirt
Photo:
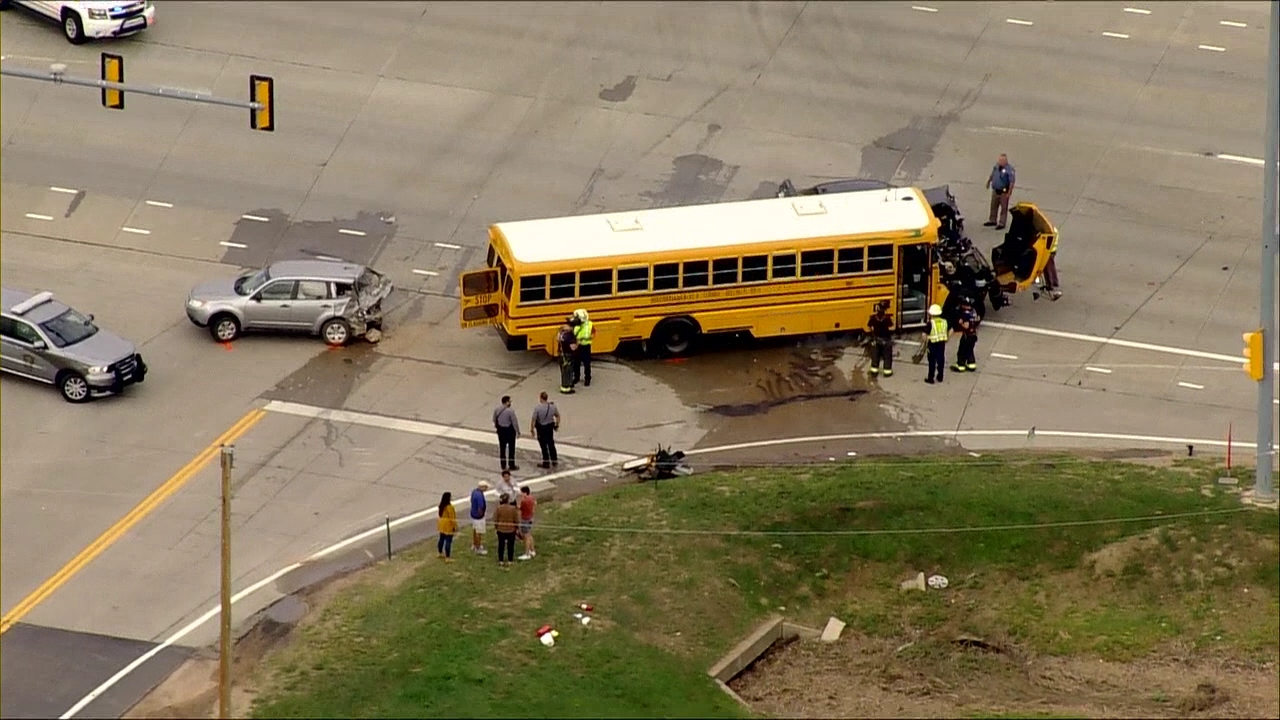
(446, 527)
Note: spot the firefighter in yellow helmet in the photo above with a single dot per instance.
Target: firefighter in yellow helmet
(935, 339)
(583, 331)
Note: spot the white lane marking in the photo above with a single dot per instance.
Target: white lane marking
(1002, 356)
(375, 531)
(1138, 11)
(1120, 36)
(228, 243)
(357, 233)
(1211, 48)
(1102, 371)
(330, 258)
(1234, 359)
(37, 216)
(159, 203)
(428, 273)
(924, 8)
(1009, 130)
(448, 246)
(1015, 21)
(387, 422)
(1241, 159)
(135, 231)
(1233, 23)
(1190, 386)
(68, 191)
(255, 218)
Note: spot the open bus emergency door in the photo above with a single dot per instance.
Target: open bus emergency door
(915, 284)
(480, 302)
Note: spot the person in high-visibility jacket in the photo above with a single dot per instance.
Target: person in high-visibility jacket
(584, 332)
(936, 344)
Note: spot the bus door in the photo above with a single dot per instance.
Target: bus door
(915, 281)
(480, 302)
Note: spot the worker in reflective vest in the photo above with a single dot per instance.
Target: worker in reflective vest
(584, 332)
(936, 343)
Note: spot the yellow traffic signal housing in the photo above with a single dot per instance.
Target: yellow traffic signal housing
(262, 91)
(1253, 354)
(112, 71)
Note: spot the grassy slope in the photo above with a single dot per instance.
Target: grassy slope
(459, 639)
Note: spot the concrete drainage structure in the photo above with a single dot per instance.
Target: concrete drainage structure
(773, 631)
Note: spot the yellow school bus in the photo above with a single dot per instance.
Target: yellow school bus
(664, 277)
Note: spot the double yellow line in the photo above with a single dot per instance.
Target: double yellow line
(135, 516)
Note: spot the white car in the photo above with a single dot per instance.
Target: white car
(93, 19)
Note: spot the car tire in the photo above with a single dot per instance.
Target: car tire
(336, 332)
(224, 328)
(73, 27)
(674, 337)
(73, 387)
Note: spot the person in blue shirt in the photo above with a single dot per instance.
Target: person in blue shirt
(1000, 182)
(479, 508)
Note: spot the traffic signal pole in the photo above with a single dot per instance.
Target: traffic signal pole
(1264, 486)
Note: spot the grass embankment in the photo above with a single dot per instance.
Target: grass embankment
(458, 639)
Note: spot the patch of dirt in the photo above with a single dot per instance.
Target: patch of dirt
(883, 678)
(192, 690)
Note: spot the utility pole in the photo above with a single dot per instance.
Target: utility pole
(1264, 486)
(224, 652)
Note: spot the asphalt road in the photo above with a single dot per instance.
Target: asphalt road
(416, 125)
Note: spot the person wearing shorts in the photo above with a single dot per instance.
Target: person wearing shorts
(479, 509)
(527, 507)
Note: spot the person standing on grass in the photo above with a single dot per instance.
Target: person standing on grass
(505, 485)
(546, 420)
(527, 507)
(508, 428)
(446, 527)
(506, 521)
(479, 508)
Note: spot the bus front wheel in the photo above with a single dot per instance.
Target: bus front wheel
(674, 337)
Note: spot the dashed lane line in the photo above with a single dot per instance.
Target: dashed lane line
(1016, 21)
(1190, 386)
(64, 190)
(255, 218)
(1233, 24)
(1137, 11)
(38, 216)
(428, 273)
(924, 8)
(158, 203)
(1118, 36)
(1241, 159)
(135, 231)
(357, 233)
(1099, 370)
(228, 243)
(448, 246)
(1211, 48)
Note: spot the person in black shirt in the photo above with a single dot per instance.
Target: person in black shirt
(881, 328)
(567, 348)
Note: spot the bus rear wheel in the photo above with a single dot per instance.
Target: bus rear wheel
(674, 337)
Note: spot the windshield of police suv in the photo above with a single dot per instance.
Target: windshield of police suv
(68, 328)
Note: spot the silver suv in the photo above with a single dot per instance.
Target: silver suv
(330, 298)
(42, 339)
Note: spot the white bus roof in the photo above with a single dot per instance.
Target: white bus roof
(690, 227)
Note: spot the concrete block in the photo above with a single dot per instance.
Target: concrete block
(746, 652)
(831, 632)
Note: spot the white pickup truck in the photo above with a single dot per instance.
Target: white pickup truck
(93, 19)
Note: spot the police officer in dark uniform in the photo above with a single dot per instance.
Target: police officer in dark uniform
(967, 322)
(881, 328)
(567, 348)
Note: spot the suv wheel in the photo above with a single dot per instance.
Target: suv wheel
(336, 332)
(224, 328)
(73, 27)
(73, 387)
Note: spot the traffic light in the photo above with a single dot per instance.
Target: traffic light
(112, 71)
(262, 91)
(1253, 354)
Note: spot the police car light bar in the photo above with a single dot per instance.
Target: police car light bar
(31, 303)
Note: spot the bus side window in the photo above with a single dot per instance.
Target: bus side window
(879, 258)
(695, 273)
(724, 271)
(563, 286)
(633, 279)
(666, 276)
(755, 268)
(533, 288)
(595, 283)
(849, 261)
(784, 266)
(816, 263)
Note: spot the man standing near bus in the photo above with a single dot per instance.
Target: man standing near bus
(1000, 182)
(584, 332)
(936, 344)
(567, 347)
(546, 420)
(881, 327)
(967, 321)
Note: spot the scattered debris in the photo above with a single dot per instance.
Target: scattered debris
(663, 464)
(915, 583)
(904, 646)
(584, 607)
(976, 643)
(1228, 481)
(938, 582)
(547, 636)
(852, 454)
(831, 632)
